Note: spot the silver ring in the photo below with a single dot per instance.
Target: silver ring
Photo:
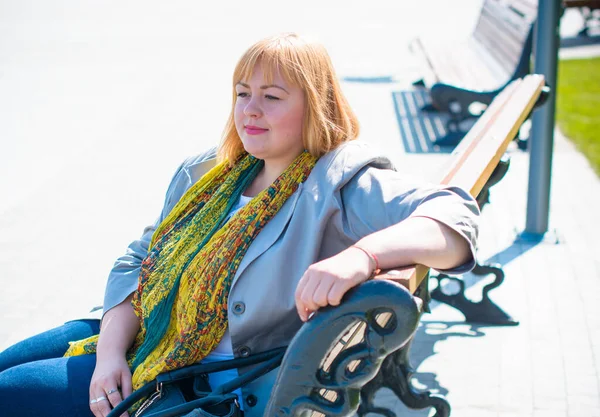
(97, 400)
(111, 391)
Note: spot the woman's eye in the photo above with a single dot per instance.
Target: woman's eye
(270, 97)
(242, 94)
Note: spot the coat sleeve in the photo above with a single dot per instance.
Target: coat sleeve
(378, 198)
(123, 277)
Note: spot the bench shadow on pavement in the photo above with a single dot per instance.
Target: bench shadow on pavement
(423, 347)
(431, 332)
(575, 41)
(419, 129)
(502, 258)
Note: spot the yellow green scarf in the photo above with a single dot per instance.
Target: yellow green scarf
(185, 280)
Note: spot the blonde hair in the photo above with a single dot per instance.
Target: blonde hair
(328, 119)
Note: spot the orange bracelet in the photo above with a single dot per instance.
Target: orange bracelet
(372, 257)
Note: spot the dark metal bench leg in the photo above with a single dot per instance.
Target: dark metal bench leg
(522, 143)
(419, 83)
(484, 311)
(395, 374)
(429, 108)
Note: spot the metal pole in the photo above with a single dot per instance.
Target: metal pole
(546, 42)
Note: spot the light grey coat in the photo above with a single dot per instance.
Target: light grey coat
(352, 192)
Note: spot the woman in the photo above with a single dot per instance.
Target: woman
(285, 217)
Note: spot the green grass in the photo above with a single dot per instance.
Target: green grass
(578, 106)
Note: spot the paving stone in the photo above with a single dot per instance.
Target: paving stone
(549, 413)
(550, 403)
(474, 412)
(578, 411)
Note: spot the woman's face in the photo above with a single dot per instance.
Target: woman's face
(269, 118)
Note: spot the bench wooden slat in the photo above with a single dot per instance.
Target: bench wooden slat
(476, 133)
(506, 49)
(488, 59)
(492, 76)
(484, 158)
(527, 8)
(503, 33)
(460, 64)
(506, 18)
(471, 64)
(475, 158)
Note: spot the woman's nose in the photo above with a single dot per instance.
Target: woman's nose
(252, 109)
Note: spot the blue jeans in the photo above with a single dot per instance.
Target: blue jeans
(35, 380)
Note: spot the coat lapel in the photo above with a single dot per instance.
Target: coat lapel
(196, 171)
(269, 234)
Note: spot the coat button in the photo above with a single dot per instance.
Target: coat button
(251, 400)
(239, 308)
(244, 351)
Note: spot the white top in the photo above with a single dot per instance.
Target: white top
(224, 350)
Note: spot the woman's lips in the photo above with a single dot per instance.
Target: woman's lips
(253, 130)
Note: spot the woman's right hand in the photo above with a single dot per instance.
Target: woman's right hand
(111, 383)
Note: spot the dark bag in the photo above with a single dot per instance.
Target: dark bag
(186, 391)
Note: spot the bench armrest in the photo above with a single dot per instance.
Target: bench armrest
(341, 348)
(456, 101)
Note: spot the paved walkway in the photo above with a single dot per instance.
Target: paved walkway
(100, 102)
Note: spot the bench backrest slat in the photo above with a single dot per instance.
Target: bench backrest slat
(476, 157)
(483, 159)
(502, 42)
(493, 134)
(526, 8)
(503, 32)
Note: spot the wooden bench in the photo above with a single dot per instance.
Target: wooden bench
(478, 68)
(344, 354)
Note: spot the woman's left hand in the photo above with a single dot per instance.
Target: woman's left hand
(326, 282)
